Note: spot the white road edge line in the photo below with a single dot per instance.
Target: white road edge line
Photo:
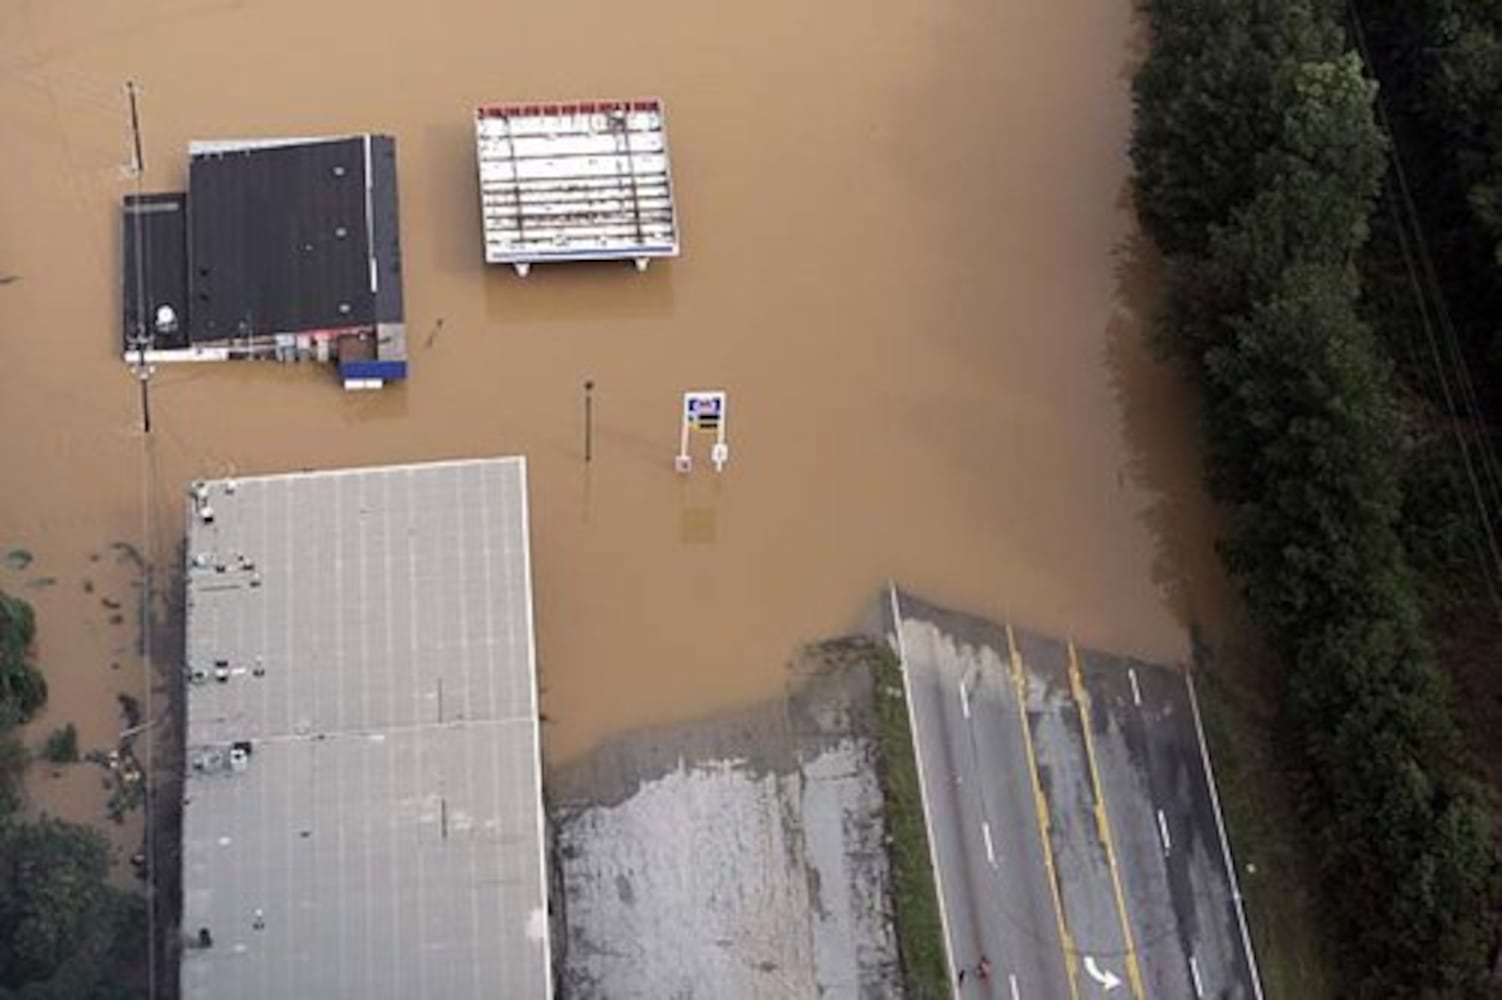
(1012, 979)
(964, 700)
(1136, 691)
(912, 724)
(1194, 972)
(1163, 832)
(1225, 844)
(985, 829)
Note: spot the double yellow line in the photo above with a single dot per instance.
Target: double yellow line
(1103, 822)
(1066, 942)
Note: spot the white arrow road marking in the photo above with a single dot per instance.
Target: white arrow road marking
(964, 700)
(1107, 979)
(1013, 981)
(1136, 692)
(985, 828)
(1163, 832)
(1194, 970)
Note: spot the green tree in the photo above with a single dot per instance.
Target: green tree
(22, 687)
(62, 745)
(13, 760)
(53, 895)
(65, 932)
(1440, 62)
(1209, 100)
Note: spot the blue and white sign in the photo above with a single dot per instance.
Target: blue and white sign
(704, 404)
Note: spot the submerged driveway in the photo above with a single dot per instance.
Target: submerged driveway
(1072, 818)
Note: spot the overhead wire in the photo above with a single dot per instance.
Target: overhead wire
(1483, 472)
(140, 336)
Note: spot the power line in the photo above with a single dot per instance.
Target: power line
(142, 333)
(143, 375)
(1485, 558)
(1429, 294)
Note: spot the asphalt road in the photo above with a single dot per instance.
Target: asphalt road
(1071, 818)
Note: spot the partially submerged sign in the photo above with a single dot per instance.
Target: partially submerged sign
(703, 413)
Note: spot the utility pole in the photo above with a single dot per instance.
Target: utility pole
(143, 375)
(135, 129)
(589, 418)
(143, 335)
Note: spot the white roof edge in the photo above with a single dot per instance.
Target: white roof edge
(536, 713)
(537, 107)
(198, 147)
(354, 470)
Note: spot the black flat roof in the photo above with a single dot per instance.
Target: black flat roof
(291, 237)
(273, 236)
(156, 268)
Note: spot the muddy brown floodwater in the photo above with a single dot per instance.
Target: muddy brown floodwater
(908, 256)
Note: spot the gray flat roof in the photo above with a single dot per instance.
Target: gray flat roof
(364, 808)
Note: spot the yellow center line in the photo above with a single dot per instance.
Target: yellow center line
(1103, 821)
(1066, 943)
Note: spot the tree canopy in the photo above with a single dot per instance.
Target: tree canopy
(1440, 63)
(65, 932)
(22, 687)
(1259, 160)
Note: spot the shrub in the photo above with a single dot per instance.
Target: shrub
(62, 746)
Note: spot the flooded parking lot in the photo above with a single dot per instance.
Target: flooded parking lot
(908, 257)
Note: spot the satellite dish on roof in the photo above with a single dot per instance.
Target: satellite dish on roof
(166, 319)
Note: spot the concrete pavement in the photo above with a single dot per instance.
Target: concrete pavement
(1071, 817)
(736, 857)
(994, 871)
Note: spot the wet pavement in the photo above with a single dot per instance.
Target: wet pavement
(1073, 824)
(741, 856)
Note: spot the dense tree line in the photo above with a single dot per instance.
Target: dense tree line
(65, 932)
(1258, 161)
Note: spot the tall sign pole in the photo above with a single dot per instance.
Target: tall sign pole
(589, 418)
